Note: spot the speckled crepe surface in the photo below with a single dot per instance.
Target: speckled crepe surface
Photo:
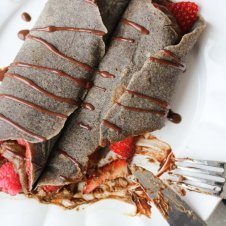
(84, 47)
(155, 80)
(122, 60)
(128, 62)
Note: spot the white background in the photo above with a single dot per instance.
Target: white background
(200, 98)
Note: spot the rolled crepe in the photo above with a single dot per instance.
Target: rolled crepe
(145, 103)
(142, 32)
(51, 74)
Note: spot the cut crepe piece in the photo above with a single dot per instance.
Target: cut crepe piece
(141, 107)
(143, 31)
(28, 160)
(51, 71)
(48, 78)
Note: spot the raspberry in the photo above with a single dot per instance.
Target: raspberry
(124, 148)
(9, 179)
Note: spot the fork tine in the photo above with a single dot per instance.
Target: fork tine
(205, 181)
(195, 169)
(201, 162)
(186, 185)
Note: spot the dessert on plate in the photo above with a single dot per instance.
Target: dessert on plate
(92, 78)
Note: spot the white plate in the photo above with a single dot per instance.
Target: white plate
(200, 98)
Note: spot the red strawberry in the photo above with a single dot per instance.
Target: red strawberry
(9, 179)
(50, 188)
(113, 170)
(186, 14)
(124, 148)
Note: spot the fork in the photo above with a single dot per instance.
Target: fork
(202, 176)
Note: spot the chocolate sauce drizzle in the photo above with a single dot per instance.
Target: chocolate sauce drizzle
(22, 129)
(130, 40)
(22, 34)
(54, 29)
(158, 102)
(175, 58)
(105, 74)
(54, 50)
(65, 154)
(100, 88)
(136, 26)
(34, 106)
(84, 126)
(136, 109)
(26, 17)
(2, 72)
(88, 106)
(31, 84)
(112, 126)
(168, 63)
(83, 83)
(169, 53)
(168, 163)
(174, 117)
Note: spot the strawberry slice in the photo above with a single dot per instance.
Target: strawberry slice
(125, 148)
(185, 13)
(51, 188)
(113, 170)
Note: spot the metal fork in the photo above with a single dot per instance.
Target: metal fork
(202, 176)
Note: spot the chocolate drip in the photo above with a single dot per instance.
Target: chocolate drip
(124, 39)
(112, 126)
(54, 29)
(34, 106)
(169, 53)
(175, 57)
(23, 34)
(174, 117)
(158, 102)
(84, 126)
(65, 154)
(83, 83)
(34, 86)
(156, 112)
(54, 50)
(100, 88)
(26, 17)
(106, 74)
(2, 72)
(39, 89)
(88, 106)
(136, 26)
(168, 165)
(168, 63)
(22, 129)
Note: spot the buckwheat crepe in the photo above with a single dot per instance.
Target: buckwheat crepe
(51, 75)
(130, 69)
